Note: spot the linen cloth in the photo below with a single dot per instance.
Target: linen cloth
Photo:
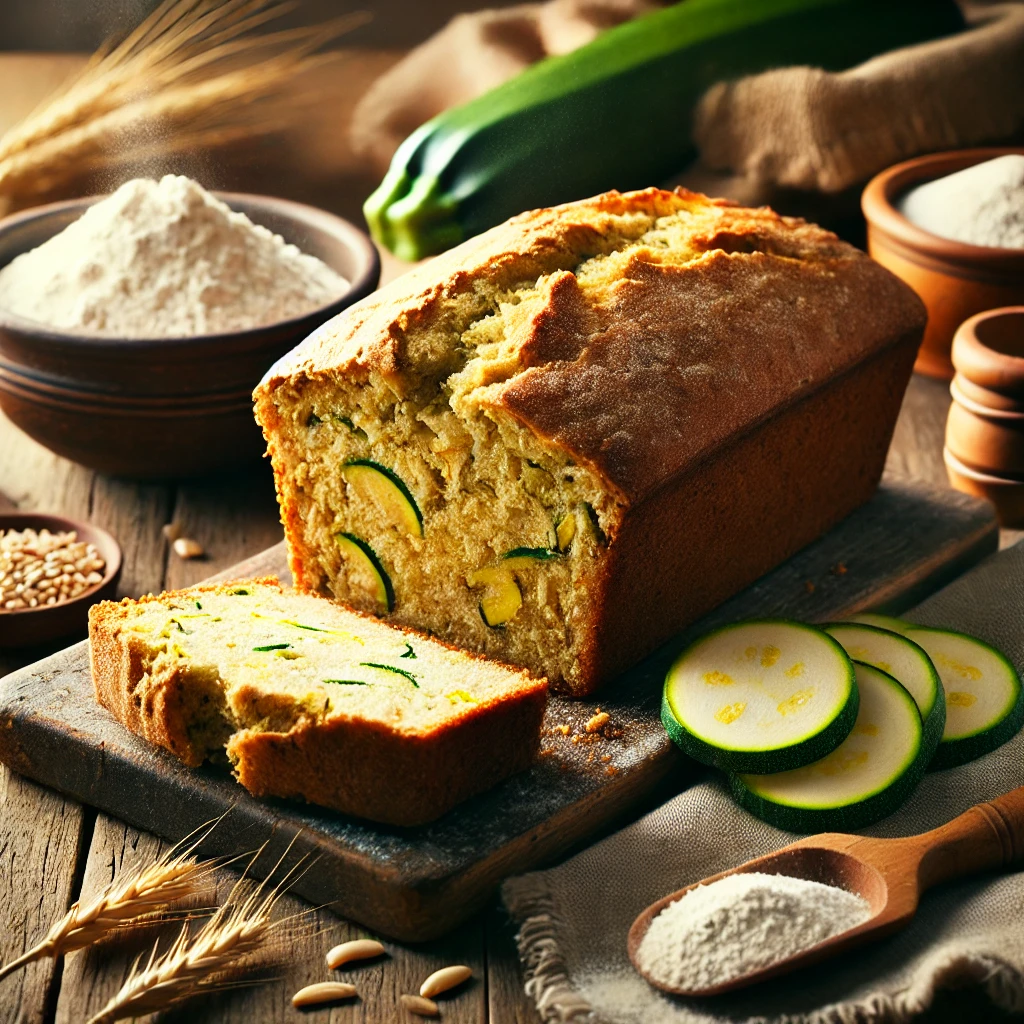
(573, 919)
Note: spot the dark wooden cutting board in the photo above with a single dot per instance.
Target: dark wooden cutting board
(414, 884)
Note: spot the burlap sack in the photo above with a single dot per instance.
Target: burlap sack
(471, 54)
(805, 128)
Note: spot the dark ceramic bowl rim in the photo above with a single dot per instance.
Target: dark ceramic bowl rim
(40, 521)
(55, 392)
(360, 286)
(878, 207)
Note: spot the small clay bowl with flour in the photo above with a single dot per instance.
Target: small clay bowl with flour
(955, 280)
(158, 408)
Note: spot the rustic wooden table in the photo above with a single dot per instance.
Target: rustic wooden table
(54, 850)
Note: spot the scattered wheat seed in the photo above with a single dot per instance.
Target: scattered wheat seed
(323, 992)
(171, 532)
(186, 547)
(419, 1005)
(357, 949)
(445, 979)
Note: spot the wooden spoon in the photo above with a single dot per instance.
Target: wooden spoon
(890, 874)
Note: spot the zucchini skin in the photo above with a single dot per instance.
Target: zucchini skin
(952, 753)
(616, 113)
(832, 819)
(762, 762)
(847, 818)
(935, 723)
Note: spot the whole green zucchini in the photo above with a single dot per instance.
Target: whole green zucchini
(616, 113)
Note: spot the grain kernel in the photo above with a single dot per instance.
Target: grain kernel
(444, 979)
(599, 721)
(186, 547)
(419, 1005)
(357, 949)
(323, 992)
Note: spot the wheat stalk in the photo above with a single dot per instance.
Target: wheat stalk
(173, 877)
(194, 964)
(193, 73)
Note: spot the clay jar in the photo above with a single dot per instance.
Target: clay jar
(985, 429)
(955, 280)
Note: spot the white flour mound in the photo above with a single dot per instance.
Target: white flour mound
(165, 259)
(742, 923)
(980, 205)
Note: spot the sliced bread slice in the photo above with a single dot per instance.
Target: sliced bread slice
(313, 701)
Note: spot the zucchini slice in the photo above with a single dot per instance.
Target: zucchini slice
(984, 699)
(864, 779)
(565, 531)
(386, 490)
(363, 560)
(502, 597)
(907, 662)
(762, 696)
(888, 622)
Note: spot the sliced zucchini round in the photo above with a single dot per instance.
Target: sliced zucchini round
(387, 491)
(984, 698)
(888, 622)
(365, 566)
(502, 597)
(905, 661)
(761, 696)
(864, 779)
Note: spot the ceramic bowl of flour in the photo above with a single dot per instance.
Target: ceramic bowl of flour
(151, 407)
(956, 280)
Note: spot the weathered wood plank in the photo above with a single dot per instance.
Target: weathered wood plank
(42, 834)
(41, 837)
(92, 977)
(507, 1001)
(232, 517)
(916, 450)
(417, 883)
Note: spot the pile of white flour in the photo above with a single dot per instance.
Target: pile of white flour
(742, 923)
(980, 205)
(165, 259)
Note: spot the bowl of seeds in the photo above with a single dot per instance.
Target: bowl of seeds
(51, 571)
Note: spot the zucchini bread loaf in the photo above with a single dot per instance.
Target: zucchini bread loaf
(314, 701)
(570, 436)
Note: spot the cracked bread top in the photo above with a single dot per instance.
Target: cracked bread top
(633, 333)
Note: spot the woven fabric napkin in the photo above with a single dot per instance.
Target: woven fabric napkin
(573, 919)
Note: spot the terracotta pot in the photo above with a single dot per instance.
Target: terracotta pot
(1005, 493)
(161, 407)
(985, 428)
(955, 280)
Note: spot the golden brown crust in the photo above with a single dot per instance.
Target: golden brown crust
(367, 770)
(772, 308)
(681, 378)
(352, 765)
